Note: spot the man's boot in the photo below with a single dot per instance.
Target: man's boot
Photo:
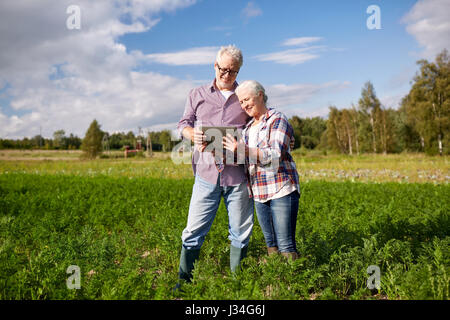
(271, 250)
(236, 256)
(187, 259)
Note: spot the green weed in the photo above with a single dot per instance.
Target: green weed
(125, 235)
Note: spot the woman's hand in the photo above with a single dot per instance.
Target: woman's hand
(230, 143)
(199, 140)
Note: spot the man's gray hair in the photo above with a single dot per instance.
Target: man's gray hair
(254, 86)
(233, 51)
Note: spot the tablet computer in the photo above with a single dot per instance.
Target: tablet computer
(217, 132)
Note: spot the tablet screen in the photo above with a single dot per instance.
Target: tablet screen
(217, 132)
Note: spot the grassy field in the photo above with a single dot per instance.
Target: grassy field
(311, 166)
(120, 222)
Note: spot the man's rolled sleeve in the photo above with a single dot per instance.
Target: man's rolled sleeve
(189, 117)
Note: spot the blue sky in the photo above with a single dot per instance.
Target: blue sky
(133, 62)
(349, 52)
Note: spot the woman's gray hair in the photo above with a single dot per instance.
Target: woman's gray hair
(254, 86)
(233, 51)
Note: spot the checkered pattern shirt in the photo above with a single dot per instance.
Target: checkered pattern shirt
(276, 167)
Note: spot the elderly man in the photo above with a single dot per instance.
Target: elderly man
(215, 104)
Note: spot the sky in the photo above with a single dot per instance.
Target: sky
(131, 64)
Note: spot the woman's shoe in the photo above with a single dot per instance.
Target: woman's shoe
(290, 255)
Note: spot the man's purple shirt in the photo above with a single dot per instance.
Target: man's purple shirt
(206, 106)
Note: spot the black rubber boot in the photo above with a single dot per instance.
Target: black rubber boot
(187, 260)
(236, 256)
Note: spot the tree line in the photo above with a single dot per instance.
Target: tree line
(160, 141)
(420, 124)
(59, 142)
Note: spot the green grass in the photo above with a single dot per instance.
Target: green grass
(124, 234)
(312, 165)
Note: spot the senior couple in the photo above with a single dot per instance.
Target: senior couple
(267, 181)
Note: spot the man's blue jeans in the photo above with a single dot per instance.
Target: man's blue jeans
(278, 220)
(205, 201)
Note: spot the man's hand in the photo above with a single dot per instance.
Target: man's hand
(199, 140)
(196, 136)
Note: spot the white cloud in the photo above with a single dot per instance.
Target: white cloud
(251, 10)
(140, 8)
(392, 100)
(428, 21)
(305, 99)
(283, 95)
(308, 112)
(62, 79)
(297, 55)
(292, 56)
(192, 56)
(120, 103)
(301, 41)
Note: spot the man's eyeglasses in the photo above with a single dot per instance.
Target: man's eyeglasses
(224, 71)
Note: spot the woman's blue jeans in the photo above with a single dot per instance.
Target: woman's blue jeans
(278, 220)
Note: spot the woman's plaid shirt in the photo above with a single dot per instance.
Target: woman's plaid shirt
(275, 140)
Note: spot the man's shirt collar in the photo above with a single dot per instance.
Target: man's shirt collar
(213, 86)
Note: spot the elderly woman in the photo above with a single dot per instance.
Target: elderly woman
(272, 174)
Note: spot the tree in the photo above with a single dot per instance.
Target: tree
(37, 141)
(428, 103)
(129, 139)
(368, 128)
(58, 139)
(92, 142)
(308, 131)
(354, 116)
(409, 137)
(312, 132)
(342, 133)
(348, 128)
(73, 142)
(297, 126)
(369, 106)
(335, 134)
(164, 140)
